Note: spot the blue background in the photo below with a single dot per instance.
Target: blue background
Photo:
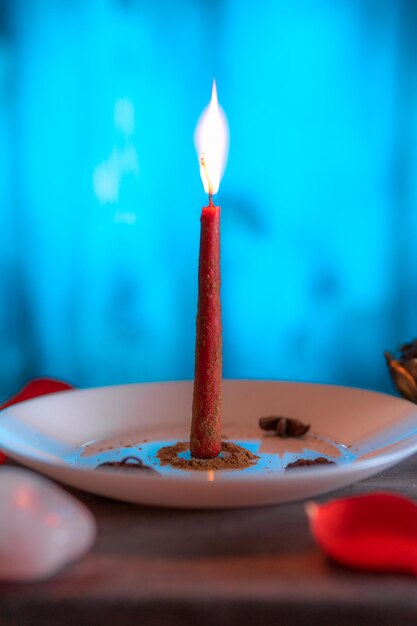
(100, 192)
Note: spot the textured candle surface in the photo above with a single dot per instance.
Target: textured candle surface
(205, 439)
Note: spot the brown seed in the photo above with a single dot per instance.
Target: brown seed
(268, 423)
(282, 427)
(295, 428)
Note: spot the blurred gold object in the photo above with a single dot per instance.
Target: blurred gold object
(403, 370)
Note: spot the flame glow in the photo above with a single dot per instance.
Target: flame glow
(211, 140)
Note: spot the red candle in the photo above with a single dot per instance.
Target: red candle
(205, 437)
(205, 440)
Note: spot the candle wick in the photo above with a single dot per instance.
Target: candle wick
(203, 165)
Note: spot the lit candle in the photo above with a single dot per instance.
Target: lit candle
(211, 139)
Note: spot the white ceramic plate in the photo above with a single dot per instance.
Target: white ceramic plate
(66, 435)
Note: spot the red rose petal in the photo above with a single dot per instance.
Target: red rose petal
(34, 388)
(376, 532)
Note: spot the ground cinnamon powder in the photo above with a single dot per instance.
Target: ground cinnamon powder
(232, 457)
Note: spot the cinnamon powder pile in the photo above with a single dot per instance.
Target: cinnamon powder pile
(233, 457)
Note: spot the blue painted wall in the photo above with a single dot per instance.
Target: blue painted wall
(100, 191)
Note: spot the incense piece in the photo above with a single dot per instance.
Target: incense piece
(130, 462)
(232, 457)
(309, 462)
(284, 426)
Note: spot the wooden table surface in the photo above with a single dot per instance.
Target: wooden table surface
(255, 566)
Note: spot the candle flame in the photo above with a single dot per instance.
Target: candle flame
(212, 143)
